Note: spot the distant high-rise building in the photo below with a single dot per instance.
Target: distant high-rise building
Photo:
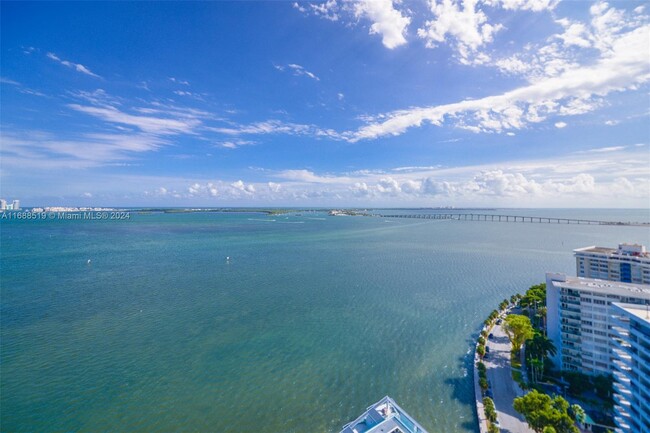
(579, 320)
(16, 205)
(632, 368)
(384, 416)
(3, 204)
(629, 263)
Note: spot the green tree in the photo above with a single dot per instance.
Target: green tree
(534, 298)
(604, 386)
(548, 429)
(493, 429)
(480, 350)
(519, 329)
(537, 350)
(541, 411)
(578, 382)
(578, 413)
(490, 410)
(541, 315)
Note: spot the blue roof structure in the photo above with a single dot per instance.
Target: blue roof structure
(385, 416)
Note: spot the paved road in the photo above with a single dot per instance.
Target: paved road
(504, 388)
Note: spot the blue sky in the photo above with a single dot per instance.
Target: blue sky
(517, 103)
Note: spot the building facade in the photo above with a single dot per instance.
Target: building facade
(631, 367)
(629, 263)
(579, 320)
(385, 416)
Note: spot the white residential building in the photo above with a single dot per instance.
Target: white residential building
(579, 320)
(631, 367)
(385, 416)
(629, 263)
(3, 204)
(16, 205)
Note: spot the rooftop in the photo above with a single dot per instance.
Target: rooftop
(384, 416)
(624, 249)
(640, 311)
(601, 286)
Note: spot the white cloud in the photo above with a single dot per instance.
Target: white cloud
(560, 125)
(309, 177)
(410, 186)
(194, 188)
(575, 33)
(360, 189)
(241, 186)
(39, 149)
(389, 186)
(20, 87)
(298, 71)
(432, 186)
(76, 66)
(463, 22)
(606, 149)
(386, 21)
(329, 10)
(4, 80)
(233, 144)
(530, 5)
(505, 184)
(157, 125)
(572, 92)
(177, 81)
(276, 127)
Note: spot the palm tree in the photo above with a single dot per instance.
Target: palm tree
(538, 348)
(541, 314)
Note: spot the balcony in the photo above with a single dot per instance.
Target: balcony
(621, 378)
(624, 404)
(571, 337)
(622, 423)
(567, 307)
(622, 391)
(624, 357)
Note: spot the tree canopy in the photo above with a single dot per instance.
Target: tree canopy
(519, 329)
(541, 411)
(535, 296)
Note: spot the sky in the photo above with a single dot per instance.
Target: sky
(370, 103)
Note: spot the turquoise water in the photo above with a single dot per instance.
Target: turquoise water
(311, 320)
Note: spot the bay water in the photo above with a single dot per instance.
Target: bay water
(310, 319)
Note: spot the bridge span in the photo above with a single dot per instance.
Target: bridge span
(511, 219)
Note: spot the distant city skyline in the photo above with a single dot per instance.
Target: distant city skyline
(487, 103)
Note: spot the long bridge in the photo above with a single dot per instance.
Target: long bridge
(511, 218)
